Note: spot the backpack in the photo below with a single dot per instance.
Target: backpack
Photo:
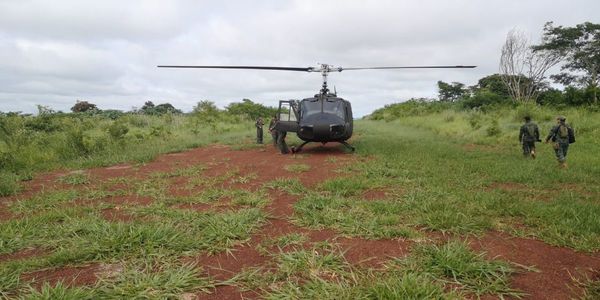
(571, 135)
(563, 131)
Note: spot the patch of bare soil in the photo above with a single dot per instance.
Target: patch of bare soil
(22, 254)
(375, 194)
(116, 215)
(557, 266)
(372, 253)
(5, 214)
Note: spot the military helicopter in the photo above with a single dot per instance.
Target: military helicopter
(323, 118)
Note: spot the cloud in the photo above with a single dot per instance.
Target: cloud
(54, 53)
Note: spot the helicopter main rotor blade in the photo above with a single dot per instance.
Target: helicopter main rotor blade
(309, 69)
(409, 67)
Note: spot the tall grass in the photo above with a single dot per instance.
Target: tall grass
(30, 144)
(458, 178)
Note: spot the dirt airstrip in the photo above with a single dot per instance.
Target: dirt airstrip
(553, 277)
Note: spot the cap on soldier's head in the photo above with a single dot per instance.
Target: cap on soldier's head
(561, 118)
(527, 118)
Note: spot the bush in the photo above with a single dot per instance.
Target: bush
(118, 130)
(494, 129)
(481, 99)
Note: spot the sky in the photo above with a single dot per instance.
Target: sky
(54, 53)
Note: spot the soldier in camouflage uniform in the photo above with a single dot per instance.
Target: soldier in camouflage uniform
(561, 135)
(272, 130)
(528, 135)
(281, 144)
(259, 130)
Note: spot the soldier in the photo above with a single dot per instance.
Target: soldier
(259, 130)
(561, 135)
(281, 144)
(272, 130)
(528, 135)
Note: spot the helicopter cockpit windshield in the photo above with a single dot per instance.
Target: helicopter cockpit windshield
(310, 108)
(334, 108)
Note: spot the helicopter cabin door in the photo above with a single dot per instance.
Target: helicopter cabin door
(287, 116)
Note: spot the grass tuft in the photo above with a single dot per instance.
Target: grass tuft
(75, 178)
(297, 168)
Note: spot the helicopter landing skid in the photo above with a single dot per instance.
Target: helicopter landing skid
(299, 148)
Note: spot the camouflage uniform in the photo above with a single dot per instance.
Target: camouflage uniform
(273, 131)
(281, 144)
(259, 130)
(528, 135)
(561, 146)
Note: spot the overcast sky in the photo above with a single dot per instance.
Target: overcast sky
(56, 52)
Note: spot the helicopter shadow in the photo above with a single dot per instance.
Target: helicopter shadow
(327, 149)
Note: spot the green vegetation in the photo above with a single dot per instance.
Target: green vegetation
(322, 272)
(490, 186)
(451, 166)
(151, 279)
(455, 263)
(90, 137)
(75, 178)
(9, 183)
(297, 168)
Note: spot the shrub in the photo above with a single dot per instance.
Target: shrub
(118, 130)
(494, 129)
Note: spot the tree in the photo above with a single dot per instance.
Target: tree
(166, 108)
(83, 106)
(150, 109)
(493, 83)
(148, 106)
(250, 109)
(451, 92)
(579, 46)
(523, 68)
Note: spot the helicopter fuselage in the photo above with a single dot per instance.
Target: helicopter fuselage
(325, 118)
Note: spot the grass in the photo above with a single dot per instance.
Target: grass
(79, 235)
(180, 172)
(322, 272)
(297, 168)
(75, 178)
(48, 142)
(374, 219)
(150, 279)
(290, 186)
(9, 184)
(292, 239)
(455, 263)
(453, 179)
(450, 189)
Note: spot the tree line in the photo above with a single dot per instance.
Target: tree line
(523, 67)
(246, 108)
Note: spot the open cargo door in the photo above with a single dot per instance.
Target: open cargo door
(288, 116)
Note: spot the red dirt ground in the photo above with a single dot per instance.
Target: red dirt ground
(556, 265)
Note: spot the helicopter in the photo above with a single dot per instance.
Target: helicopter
(323, 118)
